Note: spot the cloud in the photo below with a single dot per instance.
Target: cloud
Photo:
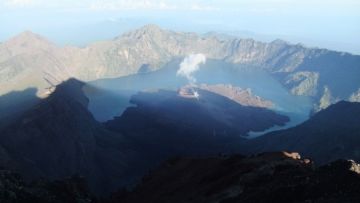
(190, 65)
(132, 5)
(257, 6)
(20, 3)
(198, 5)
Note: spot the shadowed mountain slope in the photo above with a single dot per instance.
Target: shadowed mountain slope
(267, 177)
(14, 189)
(58, 138)
(14, 104)
(331, 134)
(169, 123)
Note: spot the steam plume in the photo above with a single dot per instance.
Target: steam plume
(190, 65)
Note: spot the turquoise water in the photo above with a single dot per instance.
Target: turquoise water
(113, 95)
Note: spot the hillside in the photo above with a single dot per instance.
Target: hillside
(331, 134)
(58, 138)
(169, 123)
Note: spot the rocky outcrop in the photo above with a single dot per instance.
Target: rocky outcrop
(242, 96)
(326, 99)
(355, 97)
(303, 83)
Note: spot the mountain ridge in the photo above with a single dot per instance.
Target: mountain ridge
(303, 71)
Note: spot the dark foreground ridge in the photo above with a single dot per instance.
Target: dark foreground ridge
(59, 137)
(267, 177)
(13, 189)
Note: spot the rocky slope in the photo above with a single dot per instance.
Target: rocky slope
(268, 177)
(165, 124)
(242, 96)
(207, 113)
(59, 137)
(331, 134)
(14, 189)
(29, 60)
(13, 104)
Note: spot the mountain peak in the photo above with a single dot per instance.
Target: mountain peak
(279, 42)
(28, 33)
(151, 27)
(147, 30)
(28, 36)
(28, 42)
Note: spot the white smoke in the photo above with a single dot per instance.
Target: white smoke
(190, 65)
(196, 94)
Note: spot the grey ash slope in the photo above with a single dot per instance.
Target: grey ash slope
(331, 134)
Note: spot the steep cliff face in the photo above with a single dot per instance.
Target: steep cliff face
(29, 60)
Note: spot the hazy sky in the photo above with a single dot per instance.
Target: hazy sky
(326, 23)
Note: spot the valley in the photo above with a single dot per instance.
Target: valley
(175, 116)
